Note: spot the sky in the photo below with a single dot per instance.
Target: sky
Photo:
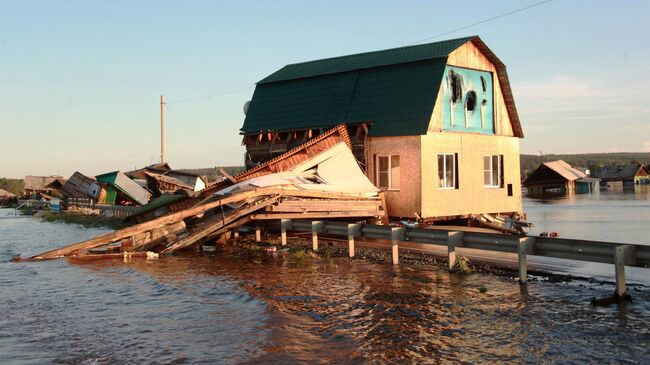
(80, 81)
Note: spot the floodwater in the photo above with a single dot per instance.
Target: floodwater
(253, 307)
(618, 216)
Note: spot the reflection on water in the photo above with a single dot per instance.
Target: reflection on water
(243, 307)
(619, 216)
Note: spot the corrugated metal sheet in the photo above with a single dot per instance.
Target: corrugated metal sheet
(398, 100)
(565, 170)
(127, 186)
(366, 60)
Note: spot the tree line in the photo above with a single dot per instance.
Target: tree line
(12, 185)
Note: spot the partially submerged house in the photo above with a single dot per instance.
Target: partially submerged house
(626, 175)
(558, 177)
(7, 197)
(39, 184)
(434, 125)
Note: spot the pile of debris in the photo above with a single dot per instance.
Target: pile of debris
(320, 179)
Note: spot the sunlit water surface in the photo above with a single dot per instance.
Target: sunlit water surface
(256, 308)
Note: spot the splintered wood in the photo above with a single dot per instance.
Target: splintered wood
(200, 224)
(318, 180)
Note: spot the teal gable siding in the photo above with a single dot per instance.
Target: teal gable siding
(467, 101)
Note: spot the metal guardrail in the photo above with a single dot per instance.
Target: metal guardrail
(619, 254)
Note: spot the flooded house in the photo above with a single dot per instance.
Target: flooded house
(42, 184)
(558, 177)
(623, 176)
(434, 126)
(7, 197)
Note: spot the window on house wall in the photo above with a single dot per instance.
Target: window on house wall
(448, 171)
(493, 171)
(387, 174)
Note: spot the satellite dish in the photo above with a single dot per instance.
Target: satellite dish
(246, 106)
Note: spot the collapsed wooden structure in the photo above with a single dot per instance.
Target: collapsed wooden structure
(318, 180)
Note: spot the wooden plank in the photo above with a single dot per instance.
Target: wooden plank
(317, 215)
(221, 222)
(323, 206)
(142, 227)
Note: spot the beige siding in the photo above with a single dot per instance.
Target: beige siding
(406, 201)
(471, 57)
(472, 196)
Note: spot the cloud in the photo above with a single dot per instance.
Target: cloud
(561, 86)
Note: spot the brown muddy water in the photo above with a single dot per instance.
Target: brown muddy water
(241, 307)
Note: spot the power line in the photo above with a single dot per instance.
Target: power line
(198, 98)
(481, 22)
(212, 143)
(208, 96)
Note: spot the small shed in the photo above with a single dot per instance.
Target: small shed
(122, 190)
(558, 177)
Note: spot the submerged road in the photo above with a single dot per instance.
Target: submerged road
(598, 271)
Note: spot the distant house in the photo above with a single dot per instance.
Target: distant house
(6, 197)
(627, 175)
(434, 125)
(558, 177)
(39, 184)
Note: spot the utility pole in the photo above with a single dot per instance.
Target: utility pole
(162, 129)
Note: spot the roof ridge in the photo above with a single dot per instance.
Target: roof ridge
(381, 50)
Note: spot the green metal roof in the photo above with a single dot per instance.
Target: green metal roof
(395, 89)
(365, 60)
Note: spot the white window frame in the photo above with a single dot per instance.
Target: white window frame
(388, 172)
(454, 184)
(499, 182)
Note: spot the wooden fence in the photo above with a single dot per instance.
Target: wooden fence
(118, 211)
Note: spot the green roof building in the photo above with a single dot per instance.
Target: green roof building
(434, 125)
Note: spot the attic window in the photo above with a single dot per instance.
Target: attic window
(470, 101)
(455, 86)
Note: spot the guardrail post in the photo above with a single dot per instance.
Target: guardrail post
(396, 234)
(284, 225)
(353, 230)
(525, 246)
(623, 255)
(316, 226)
(454, 239)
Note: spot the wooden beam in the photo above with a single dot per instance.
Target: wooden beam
(318, 215)
(142, 227)
(220, 222)
(227, 175)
